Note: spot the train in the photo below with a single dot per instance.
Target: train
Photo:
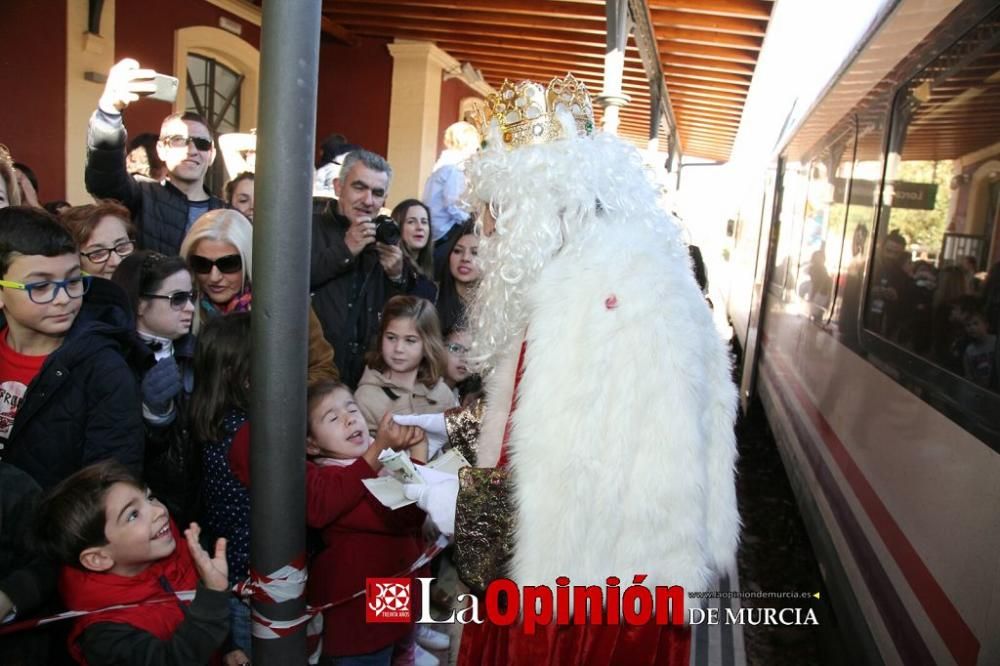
(864, 298)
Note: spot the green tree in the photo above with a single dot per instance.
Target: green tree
(924, 228)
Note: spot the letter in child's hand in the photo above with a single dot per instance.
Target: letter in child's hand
(214, 571)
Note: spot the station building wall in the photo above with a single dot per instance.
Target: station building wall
(48, 97)
(33, 85)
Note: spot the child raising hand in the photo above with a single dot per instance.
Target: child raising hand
(118, 546)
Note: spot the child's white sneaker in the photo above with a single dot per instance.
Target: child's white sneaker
(422, 657)
(432, 640)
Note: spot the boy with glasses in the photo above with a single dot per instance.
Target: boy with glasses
(163, 211)
(67, 395)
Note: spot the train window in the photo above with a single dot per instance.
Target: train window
(934, 291)
(863, 191)
(784, 275)
(824, 221)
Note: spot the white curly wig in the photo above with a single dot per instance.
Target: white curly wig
(546, 199)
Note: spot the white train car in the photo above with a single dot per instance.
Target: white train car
(866, 300)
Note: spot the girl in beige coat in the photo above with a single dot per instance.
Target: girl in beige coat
(404, 373)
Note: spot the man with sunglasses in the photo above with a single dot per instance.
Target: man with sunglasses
(68, 397)
(163, 211)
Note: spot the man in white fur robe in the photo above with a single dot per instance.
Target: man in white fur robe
(620, 447)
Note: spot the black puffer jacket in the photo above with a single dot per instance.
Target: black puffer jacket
(83, 406)
(160, 211)
(339, 282)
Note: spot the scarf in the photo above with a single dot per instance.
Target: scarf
(238, 303)
(160, 346)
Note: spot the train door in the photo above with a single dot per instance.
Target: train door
(767, 234)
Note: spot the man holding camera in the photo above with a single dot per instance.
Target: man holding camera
(163, 211)
(357, 264)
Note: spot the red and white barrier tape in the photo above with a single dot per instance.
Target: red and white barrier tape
(285, 584)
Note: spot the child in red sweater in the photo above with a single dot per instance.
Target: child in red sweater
(361, 538)
(119, 546)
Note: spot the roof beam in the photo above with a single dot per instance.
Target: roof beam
(529, 7)
(391, 26)
(751, 9)
(713, 52)
(477, 46)
(675, 82)
(718, 77)
(693, 21)
(724, 39)
(707, 64)
(563, 67)
(347, 11)
(337, 31)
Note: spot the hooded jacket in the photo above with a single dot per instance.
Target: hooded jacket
(83, 406)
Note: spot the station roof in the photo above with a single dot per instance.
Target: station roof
(707, 51)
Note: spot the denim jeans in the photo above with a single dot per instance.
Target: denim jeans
(239, 625)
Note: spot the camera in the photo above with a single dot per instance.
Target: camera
(386, 230)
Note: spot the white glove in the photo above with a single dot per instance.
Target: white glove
(437, 499)
(432, 424)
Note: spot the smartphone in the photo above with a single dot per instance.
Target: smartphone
(166, 88)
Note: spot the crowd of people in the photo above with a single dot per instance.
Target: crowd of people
(125, 371)
(125, 374)
(947, 314)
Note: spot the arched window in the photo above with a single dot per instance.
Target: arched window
(219, 74)
(213, 90)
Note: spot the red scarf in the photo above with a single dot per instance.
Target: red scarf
(89, 590)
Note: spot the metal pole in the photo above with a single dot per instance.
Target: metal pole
(286, 140)
(612, 98)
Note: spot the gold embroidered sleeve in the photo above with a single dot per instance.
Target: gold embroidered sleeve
(484, 526)
(462, 425)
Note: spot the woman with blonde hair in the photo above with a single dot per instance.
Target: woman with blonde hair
(218, 248)
(444, 192)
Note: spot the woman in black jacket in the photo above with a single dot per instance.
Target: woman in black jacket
(161, 293)
(458, 277)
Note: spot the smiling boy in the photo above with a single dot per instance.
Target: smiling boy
(67, 395)
(118, 546)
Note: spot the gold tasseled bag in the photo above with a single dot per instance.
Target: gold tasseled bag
(484, 526)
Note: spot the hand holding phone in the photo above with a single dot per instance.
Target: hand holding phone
(127, 82)
(166, 88)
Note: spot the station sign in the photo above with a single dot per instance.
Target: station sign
(915, 196)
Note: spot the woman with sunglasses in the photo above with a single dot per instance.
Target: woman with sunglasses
(104, 234)
(160, 292)
(218, 250)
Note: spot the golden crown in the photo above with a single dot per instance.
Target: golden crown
(526, 112)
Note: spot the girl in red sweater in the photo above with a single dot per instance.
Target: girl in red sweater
(361, 538)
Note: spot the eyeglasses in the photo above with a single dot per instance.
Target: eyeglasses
(181, 141)
(457, 349)
(101, 255)
(231, 263)
(178, 299)
(46, 291)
